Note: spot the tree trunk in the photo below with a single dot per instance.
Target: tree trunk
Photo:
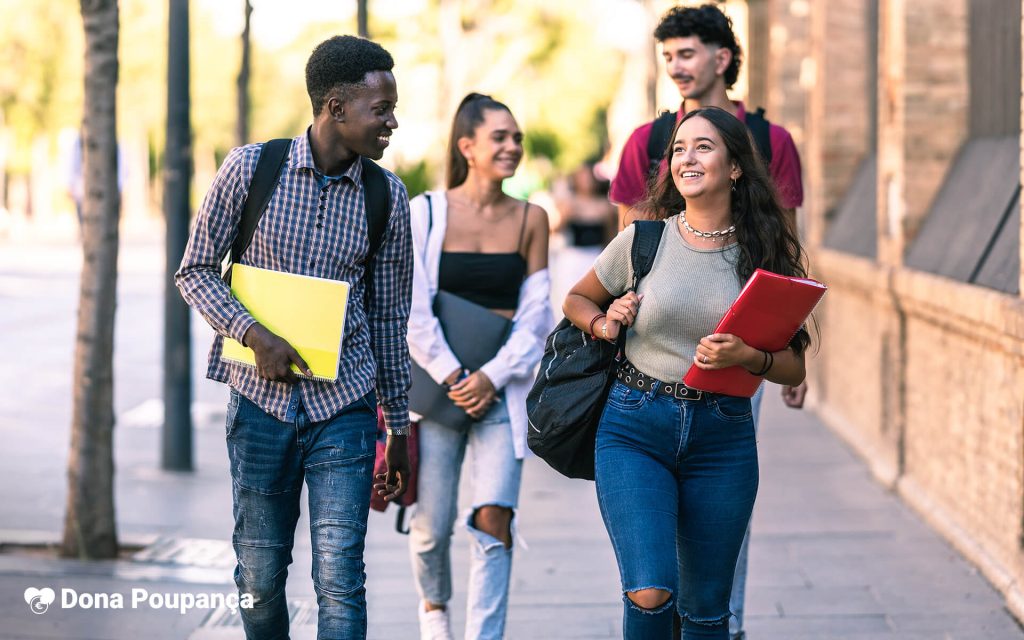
(242, 124)
(363, 18)
(177, 430)
(89, 524)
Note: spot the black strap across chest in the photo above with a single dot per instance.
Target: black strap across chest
(264, 180)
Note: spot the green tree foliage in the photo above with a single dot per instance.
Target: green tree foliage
(542, 57)
(40, 71)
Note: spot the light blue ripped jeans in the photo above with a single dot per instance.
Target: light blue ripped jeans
(495, 476)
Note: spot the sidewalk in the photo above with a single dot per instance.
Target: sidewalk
(833, 555)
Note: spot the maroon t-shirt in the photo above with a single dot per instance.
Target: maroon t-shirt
(631, 179)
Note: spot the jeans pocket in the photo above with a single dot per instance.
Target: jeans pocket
(232, 413)
(370, 402)
(622, 397)
(731, 408)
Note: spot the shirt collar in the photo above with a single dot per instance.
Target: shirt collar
(302, 158)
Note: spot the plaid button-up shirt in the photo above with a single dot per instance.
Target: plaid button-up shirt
(312, 227)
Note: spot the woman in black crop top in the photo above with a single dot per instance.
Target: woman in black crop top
(476, 242)
(587, 222)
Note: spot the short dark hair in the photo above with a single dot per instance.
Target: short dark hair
(468, 116)
(710, 25)
(340, 61)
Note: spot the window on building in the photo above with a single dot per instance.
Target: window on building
(972, 232)
(851, 224)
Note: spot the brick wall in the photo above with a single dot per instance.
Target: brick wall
(847, 107)
(936, 99)
(922, 375)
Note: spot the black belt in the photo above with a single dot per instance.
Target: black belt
(633, 378)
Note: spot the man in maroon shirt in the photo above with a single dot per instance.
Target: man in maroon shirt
(703, 59)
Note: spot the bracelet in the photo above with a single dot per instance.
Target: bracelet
(399, 431)
(465, 373)
(595, 319)
(769, 361)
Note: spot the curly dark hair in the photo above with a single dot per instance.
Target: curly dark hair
(341, 62)
(766, 239)
(710, 25)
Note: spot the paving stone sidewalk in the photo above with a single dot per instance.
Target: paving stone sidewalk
(833, 554)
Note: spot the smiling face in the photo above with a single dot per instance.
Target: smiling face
(496, 147)
(695, 67)
(367, 114)
(700, 163)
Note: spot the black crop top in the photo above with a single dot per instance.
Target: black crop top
(587, 234)
(491, 280)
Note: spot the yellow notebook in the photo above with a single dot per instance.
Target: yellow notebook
(308, 312)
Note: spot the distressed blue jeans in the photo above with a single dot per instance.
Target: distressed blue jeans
(270, 459)
(676, 482)
(495, 478)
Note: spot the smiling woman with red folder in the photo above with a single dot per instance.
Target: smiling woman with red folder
(676, 466)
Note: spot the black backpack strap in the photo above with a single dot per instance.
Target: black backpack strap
(377, 198)
(261, 187)
(400, 525)
(758, 126)
(430, 214)
(646, 239)
(661, 131)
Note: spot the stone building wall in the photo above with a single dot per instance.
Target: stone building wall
(921, 374)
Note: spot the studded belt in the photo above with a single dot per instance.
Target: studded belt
(633, 378)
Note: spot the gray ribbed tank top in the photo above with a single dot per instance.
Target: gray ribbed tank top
(685, 295)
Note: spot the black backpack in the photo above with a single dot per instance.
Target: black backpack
(264, 181)
(576, 372)
(661, 131)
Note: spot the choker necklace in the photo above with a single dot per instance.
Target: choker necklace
(715, 236)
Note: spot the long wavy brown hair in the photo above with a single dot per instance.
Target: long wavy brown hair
(765, 237)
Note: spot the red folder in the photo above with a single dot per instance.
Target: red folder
(767, 314)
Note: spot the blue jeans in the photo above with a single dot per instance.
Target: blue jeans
(495, 475)
(269, 461)
(739, 580)
(676, 481)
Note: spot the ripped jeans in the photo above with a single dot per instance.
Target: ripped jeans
(270, 460)
(495, 475)
(676, 481)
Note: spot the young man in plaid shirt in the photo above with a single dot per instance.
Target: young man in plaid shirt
(281, 428)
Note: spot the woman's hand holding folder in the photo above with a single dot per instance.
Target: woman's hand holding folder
(274, 356)
(724, 350)
(721, 350)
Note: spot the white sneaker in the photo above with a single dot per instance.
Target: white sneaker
(434, 625)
